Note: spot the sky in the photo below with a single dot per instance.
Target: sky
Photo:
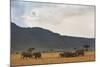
(65, 19)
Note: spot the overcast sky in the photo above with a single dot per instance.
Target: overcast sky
(72, 20)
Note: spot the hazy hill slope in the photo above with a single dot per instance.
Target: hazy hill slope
(23, 38)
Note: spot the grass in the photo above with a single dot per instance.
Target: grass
(51, 58)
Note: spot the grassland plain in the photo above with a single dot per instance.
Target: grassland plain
(50, 58)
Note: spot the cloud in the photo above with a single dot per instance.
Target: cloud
(55, 14)
(78, 26)
(71, 20)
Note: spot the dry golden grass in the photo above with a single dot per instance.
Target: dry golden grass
(50, 58)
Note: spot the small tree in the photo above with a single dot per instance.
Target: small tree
(75, 48)
(30, 49)
(51, 50)
(16, 52)
(86, 47)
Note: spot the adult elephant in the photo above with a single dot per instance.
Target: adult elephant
(67, 54)
(37, 55)
(80, 53)
(25, 55)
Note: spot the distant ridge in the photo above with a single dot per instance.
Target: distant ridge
(23, 38)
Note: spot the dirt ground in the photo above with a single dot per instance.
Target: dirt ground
(50, 58)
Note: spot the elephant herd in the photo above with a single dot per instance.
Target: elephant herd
(25, 55)
(72, 54)
(38, 55)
